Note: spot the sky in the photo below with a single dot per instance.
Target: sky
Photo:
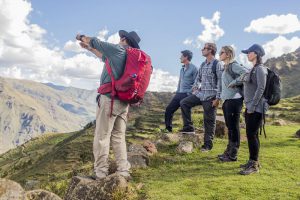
(37, 38)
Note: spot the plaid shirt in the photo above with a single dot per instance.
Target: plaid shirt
(209, 86)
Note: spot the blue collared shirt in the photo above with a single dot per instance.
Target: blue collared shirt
(187, 78)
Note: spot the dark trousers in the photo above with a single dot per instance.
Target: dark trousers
(209, 116)
(253, 122)
(232, 109)
(171, 109)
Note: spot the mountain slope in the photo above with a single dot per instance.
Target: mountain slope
(288, 67)
(28, 109)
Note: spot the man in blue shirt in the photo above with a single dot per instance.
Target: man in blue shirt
(188, 74)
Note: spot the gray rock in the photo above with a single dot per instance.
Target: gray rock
(10, 190)
(137, 149)
(171, 137)
(41, 195)
(103, 189)
(221, 129)
(138, 160)
(185, 147)
(279, 122)
(31, 184)
(196, 139)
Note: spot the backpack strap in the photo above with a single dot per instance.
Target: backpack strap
(113, 89)
(214, 68)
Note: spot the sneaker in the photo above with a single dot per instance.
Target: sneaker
(205, 148)
(252, 168)
(223, 154)
(187, 131)
(246, 165)
(227, 158)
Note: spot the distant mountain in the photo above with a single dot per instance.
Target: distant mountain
(288, 67)
(28, 109)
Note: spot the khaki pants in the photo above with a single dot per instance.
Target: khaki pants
(110, 129)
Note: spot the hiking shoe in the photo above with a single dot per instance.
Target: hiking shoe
(227, 158)
(205, 148)
(224, 154)
(166, 130)
(187, 131)
(252, 168)
(246, 165)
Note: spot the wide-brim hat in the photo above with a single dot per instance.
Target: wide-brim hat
(132, 36)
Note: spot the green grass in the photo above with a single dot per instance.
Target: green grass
(202, 176)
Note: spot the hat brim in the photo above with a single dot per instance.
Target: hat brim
(125, 34)
(245, 51)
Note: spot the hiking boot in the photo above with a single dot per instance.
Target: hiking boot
(227, 158)
(205, 148)
(187, 131)
(252, 168)
(246, 165)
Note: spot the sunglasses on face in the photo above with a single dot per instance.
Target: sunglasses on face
(221, 52)
(206, 48)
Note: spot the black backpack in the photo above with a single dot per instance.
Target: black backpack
(273, 88)
(272, 93)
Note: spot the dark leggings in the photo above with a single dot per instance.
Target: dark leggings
(232, 109)
(253, 122)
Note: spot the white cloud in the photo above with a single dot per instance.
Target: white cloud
(188, 41)
(73, 46)
(24, 54)
(212, 31)
(280, 45)
(162, 81)
(275, 24)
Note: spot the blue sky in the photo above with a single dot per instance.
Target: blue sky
(162, 25)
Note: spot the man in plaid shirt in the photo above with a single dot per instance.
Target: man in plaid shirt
(206, 92)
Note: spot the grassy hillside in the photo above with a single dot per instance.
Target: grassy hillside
(51, 160)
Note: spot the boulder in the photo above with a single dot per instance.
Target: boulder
(185, 147)
(138, 160)
(298, 134)
(170, 137)
(103, 189)
(150, 147)
(221, 129)
(279, 122)
(41, 195)
(137, 149)
(10, 190)
(196, 139)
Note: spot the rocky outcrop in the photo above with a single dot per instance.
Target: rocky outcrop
(10, 190)
(103, 189)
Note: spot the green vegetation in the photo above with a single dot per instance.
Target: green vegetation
(50, 161)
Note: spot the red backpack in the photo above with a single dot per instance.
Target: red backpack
(132, 85)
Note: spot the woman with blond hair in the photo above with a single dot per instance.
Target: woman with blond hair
(232, 101)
